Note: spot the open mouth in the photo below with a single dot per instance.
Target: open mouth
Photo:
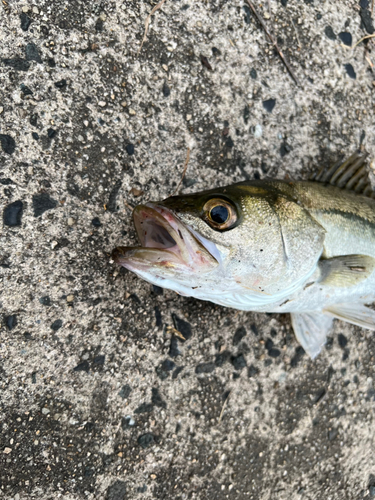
(166, 244)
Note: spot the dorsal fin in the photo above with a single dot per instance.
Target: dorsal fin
(348, 174)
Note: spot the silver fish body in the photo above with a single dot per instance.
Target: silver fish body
(304, 248)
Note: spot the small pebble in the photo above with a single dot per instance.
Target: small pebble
(136, 192)
(129, 149)
(102, 104)
(71, 221)
(70, 298)
(7, 450)
(132, 112)
(258, 131)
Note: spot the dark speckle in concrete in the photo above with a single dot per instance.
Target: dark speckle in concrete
(269, 104)
(17, 63)
(13, 213)
(117, 491)
(43, 202)
(61, 84)
(328, 30)
(144, 408)
(239, 335)
(56, 325)
(96, 222)
(11, 321)
(346, 38)
(182, 326)
(45, 301)
(32, 53)
(125, 391)
(205, 368)
(238, 362)
(166, 90)
(350, 71)
(8, 144)
(156, 398)
(343, 341)
(82, 367)
(51, 133)
(367, 20)
(25, 21)
(146, 440)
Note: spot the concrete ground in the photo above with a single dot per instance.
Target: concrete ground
(98, 397)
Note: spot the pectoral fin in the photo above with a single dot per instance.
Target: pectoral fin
(346, 270)
(354, 313)
(311, 331)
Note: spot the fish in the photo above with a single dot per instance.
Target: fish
(301, 247)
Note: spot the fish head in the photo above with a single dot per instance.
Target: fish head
(216, 241)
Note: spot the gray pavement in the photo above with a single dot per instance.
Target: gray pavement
(98, 397)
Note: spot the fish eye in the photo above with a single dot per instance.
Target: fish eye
(219, 214)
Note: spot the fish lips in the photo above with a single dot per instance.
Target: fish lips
(167, 245)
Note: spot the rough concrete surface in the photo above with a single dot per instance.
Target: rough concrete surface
(98, 397)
